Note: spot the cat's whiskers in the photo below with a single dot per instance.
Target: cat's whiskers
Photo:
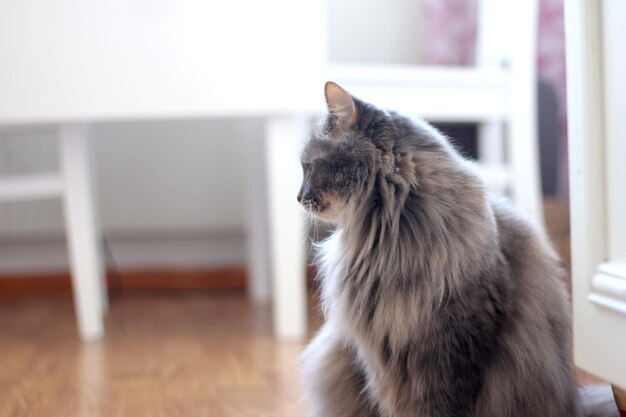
(316, 231)
(307, 230)
(310, 220)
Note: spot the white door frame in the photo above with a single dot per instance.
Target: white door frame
(597, 147)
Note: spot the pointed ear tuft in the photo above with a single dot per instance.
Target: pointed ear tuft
(340, 105)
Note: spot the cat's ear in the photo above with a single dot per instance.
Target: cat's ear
(340, 105)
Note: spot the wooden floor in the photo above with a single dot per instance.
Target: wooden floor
(163, 355)
(185, 354)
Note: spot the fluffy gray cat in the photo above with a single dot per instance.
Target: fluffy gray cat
(438, 301)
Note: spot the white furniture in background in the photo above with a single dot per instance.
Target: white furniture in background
(596, 90)
(69, 64)
(499, 93)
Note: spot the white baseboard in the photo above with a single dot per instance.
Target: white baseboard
(130, 252)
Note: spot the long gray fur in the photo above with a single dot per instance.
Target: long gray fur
(438, 301)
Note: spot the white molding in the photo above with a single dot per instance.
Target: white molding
(614, 270)
(608, 287)
(30, 187)
(41, 255)
(608, 303)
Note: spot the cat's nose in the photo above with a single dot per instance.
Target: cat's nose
(304, 193)
(306, 197)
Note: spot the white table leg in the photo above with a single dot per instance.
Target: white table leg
(257, 236)
(82, 226)
(284, 137)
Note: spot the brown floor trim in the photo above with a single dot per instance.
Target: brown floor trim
(222, 278)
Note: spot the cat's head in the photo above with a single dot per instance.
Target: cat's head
(340, 160)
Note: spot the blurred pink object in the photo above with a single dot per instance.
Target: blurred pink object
(449, 32)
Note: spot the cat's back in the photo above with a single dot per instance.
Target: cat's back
(534, 354)
(536, 273)
(526, 249)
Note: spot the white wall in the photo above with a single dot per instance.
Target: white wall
(171, 194)
(152, 177)
(20, 154)
(180, 176)
(374, 31)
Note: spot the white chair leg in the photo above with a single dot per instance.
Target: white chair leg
(491, 143)
(83, 235)
(523, 137)
(284, 137)
(491, 155)
(259, 286)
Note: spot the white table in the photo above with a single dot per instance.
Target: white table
(70, 63)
